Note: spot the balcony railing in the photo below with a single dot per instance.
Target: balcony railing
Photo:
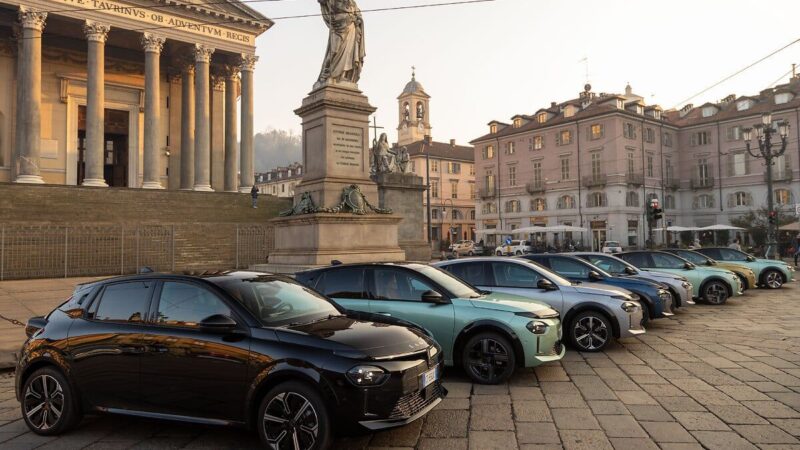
(672, 184)
(702, 183)
(636, 179)
(487, 192)
(535, 187)
(595, 180)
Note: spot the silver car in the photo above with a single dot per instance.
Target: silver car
(679, 287)
(591, 316)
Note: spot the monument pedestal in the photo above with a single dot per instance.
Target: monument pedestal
(403, 193)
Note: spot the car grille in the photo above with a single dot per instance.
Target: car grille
(412, 403)
(555, 351)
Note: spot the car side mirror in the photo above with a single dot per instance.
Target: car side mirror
(218, 323)
(630, 270)
(751, 258)
(433, 297)
(688, 266)
(546, 285)
(595, 275)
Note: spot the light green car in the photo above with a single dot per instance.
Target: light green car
(711, 284)
(770, 273)
(488, 334)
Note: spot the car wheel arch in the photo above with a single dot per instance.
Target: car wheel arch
(49, 362)
(482, 326)
(715, 278)
(602, 309)
(767, 269)
(276, 376)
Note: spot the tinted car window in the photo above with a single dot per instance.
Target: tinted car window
(392, 284)
(712, 253)
(187, 304)
(693, 257)
(610, 265)
(124, 302)
(347, 282)
(514, 275)
(732, 255)
(637, 259)
(569, 268)
(474, 272)
(667, 261)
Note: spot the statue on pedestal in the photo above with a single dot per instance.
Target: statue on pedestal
(344, 58)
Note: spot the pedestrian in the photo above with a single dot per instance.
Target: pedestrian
(796, 249)
(735, 245)
(254, 196)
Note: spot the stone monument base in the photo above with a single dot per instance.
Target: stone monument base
(314, 240)
(403, 193)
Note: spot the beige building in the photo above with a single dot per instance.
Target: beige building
(448, 169)
(147, 94)
(280, 181)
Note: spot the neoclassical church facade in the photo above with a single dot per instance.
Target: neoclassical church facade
(140, 93)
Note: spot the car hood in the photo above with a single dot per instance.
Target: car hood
(715, 270)
(771, 262)
(356, 337)
(500, 301)
(662, 275)
(649, 279)
(599, 289)
(631, 283)
(730, 266)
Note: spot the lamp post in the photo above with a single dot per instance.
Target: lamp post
(444, 213)
(764, 132)
(426, 144)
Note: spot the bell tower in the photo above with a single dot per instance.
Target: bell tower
(413, 107)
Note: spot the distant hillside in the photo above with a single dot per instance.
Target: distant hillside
(275, 148)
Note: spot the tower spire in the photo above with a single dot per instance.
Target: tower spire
(413, 72)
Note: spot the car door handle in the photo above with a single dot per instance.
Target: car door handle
(385, 314)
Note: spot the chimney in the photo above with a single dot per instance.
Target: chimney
(685, 110)
(452, 142)
(628, 90)
(553, 104)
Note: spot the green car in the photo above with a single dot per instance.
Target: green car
(770, 273)
(488, 334)
(711, 284)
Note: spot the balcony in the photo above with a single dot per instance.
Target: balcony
(535, 187)
(672, 185)
(702, 183)
(635, 179)
(489, 192)
(595, 180)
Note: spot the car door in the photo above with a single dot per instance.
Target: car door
(397, 292)
(106, 347)
(519, 279)
(346, 286)
(187, 370)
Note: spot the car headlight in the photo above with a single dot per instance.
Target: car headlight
(536, 327)
(629, 307)
(367, 375)
(432, 351)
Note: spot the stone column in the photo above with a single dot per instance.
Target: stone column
(152, 45)
(231, 135)
(94, 156)
(30, 85)
(247, 174)
(202, 142)
(187, 127)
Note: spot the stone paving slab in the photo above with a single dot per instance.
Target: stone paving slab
(693, 381)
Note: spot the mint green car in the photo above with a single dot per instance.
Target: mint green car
(488, 334)
(711, 284)
(770, 273)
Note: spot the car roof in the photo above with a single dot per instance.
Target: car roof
(211, 276)
(410, 265)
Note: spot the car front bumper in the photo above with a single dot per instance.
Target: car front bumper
(634, 323)
(541, 348)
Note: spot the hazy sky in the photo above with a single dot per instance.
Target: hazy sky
(492, 60)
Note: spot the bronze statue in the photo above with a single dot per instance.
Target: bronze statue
(344, 58)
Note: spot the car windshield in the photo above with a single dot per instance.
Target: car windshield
(454, 285)
(610, 264)
(695, 258)
(612, 244)
(277, 301)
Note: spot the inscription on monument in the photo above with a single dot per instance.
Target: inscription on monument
(347, 146)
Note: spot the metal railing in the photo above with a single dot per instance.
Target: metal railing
(487, 192)
(54, 251)
(702, 183)
(535, 187)
(636, 179)
(599, 179)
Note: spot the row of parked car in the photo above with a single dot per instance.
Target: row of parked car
(348, 346)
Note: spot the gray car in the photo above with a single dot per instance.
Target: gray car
(679, 287)
(591, 315)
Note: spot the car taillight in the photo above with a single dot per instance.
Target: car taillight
(34, 325)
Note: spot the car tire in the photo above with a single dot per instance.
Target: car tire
(645, 312)
(290, 410)
(484, 353)
(772, 279)
(47, 393)
(590, 331)
(715, 292)
(518, 253)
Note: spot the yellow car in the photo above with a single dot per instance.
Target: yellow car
(745, 274)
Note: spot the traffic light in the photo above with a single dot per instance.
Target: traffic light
(772, 218)
(657, 214)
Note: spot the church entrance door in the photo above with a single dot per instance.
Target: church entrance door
(115, 147)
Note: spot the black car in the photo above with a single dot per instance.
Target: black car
(233, 348)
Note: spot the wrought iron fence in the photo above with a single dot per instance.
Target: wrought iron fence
(52, 251)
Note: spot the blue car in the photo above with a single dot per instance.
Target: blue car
(655, 299)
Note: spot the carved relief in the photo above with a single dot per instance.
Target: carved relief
(152, 43)
(96, 32)
(202, 53)
(30, 18)
(247, 62)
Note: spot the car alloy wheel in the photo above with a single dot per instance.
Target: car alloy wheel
(591, 332)
(773, 279)
(47, 403)
(489, 358)
(293, 417)
(715, 293)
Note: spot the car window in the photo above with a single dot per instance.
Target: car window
(473, 272)
(347, 282)
(569, 268)
(693, 257)
(637, 259)
(610, 265)
(712, 253)
(732, 255)
(514, 275)
(123, 302)
(393, 284)
(185, 304)
(667, 261)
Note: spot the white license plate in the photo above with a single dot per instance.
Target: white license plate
(429, 377)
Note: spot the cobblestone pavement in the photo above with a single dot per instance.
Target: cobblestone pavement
(711, 377)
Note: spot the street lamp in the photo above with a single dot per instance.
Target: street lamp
(764, 132)
(444, 213)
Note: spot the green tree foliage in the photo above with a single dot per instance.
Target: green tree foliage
(755, 222)
(274, 148)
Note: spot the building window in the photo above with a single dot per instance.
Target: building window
(703, 201)
(709, 111)
(510, 147)
(782, 98)
(454, 189)
(538, 142)
(632, 199)
(489, 208)
(649, 135)
(472, 195)
(435, 165)
(596, 131)
(538, 204)
(743, 105)
(488, 152)
(597, 169)
(537, 173)
(512, 176)
(631, 163)
(566, 202)
(596, 200)
(669, 202)
(633, 232)
(492, 128)
(738, 164)
(782, 196)
(734, 133)
(700, 138)
(472, 214)
(454, 167)
(517, 122)
(512, 206)
(564, 137)
(668, 170)
(541, 117)
(434, 214)
(489, 185)
(629, 130)
(703, 169)
(472, 169)
(434, 189)
(283, 188)
(667, 140)
(650, 166)
(741, 199)
(456, 215)
(565, 169)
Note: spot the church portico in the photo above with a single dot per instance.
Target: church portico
(70, 65)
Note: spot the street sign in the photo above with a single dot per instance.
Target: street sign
(797, 209)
